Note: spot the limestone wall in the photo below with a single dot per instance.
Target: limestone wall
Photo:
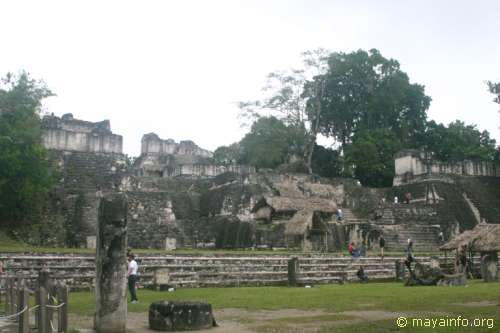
(75, 199)
(166, 158)
(71, 134)
(411, 165)
(209, 270)
(153, 144)
(202, 170)
(206, 270)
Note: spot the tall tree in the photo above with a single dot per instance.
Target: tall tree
(458, 141)
(371, 155)
(365, 91)
(25, 177)
(227, 155)
(270, 143)
(293, 97)
(494, 88)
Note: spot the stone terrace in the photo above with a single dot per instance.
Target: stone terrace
(208, 270)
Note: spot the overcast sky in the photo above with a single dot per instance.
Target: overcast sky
(177, 68)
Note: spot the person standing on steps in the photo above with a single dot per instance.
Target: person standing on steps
(409, 248)
(132, 277)
(407, 198)
(381, 243)
(441, 237)
(340, 214)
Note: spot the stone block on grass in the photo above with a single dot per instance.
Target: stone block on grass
(180, 316)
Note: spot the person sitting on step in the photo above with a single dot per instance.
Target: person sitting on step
(362, 275)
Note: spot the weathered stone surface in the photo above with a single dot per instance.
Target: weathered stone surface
(111, 265)
(411, 164)
(453, 280)
(180, 198)
(180, 316)
(293, 271)
(424, 275)
(68, 133)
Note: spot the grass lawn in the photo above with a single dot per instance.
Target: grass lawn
(341, 307)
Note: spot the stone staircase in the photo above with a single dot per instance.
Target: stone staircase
(484, 193)
(387, 216)
(424, 237)
(83, 172)
(350, 218)
(415, 220)
(210, 270)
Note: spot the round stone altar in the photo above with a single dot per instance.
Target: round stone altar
(180, 316)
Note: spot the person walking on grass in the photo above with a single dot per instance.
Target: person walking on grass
(132, 277)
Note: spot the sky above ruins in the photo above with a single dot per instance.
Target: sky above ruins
(178, 68)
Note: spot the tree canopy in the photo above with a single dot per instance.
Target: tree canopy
(25, 177)
(292, 97)
(458, 142)
(371, 156)
(270, 143)
(368, 105)
(365, 91)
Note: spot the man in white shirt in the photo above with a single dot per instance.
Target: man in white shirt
(132, 277)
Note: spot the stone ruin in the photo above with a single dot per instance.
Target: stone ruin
(179, 197)
(166, 158)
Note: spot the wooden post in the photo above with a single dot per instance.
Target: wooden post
(24, 318)
(43, 323)
(12, 296)
(7, 294)
(51, 293)
(62, 318)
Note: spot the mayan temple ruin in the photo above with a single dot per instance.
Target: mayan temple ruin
(180, 198)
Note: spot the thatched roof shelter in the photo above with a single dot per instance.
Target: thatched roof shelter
(300, 223)
(286, 204)
(467, 237)
(488, 239)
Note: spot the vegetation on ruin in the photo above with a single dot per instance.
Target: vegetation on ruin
(362, 100)
(333, 299)
(459, 142)
(25, 176)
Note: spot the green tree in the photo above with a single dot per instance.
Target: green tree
(25, 177)
(227, 155)
(270, 143)
(494, 88)
(371, 156)
(365, 91)
(326, 162)
(458, 142)
(292, 97)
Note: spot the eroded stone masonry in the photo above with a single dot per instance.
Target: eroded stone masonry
(179, 197)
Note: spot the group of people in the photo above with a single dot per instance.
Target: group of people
(361, 251)
(355, 251)
(407, 198)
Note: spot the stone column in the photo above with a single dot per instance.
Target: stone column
(489, 269)
(111, 265)
(293, 271)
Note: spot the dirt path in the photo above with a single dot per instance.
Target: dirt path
(243, 321)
